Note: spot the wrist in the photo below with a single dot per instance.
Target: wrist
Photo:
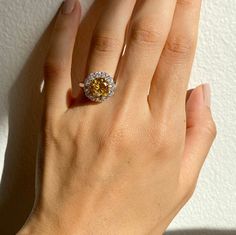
(34, 228)
(47, 223)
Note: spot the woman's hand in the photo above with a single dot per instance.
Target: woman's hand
(127, 165)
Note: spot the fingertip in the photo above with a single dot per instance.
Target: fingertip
(207, 94)
(195, 99)
(200, 97)
(68, 6)
(198, 107)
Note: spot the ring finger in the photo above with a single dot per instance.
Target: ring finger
(108, 38)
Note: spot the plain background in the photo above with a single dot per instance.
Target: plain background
(23, 43)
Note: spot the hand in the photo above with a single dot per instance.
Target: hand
(129, 164)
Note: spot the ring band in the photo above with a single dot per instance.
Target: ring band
(98, 86)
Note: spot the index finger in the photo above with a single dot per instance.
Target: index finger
(57, 68)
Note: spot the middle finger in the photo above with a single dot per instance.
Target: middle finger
(147, 35)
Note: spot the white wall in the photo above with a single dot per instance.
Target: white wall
(21, 25)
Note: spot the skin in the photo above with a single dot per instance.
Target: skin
(129, 164)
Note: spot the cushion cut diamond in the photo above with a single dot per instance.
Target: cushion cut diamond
(99, 86)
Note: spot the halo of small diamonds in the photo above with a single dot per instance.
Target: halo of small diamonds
(99, 86)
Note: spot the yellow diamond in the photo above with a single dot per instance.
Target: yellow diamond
(99, 87)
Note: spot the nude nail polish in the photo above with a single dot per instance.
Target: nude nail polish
(68, 6)
(207, 94)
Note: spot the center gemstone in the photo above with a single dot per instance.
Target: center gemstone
(99, 87)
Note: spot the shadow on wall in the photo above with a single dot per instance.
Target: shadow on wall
(25, 108)
(202, 232)
(17, 188)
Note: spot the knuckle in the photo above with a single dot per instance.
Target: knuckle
(60, 26)
(160, 138)
(185, 2)
(54, 68)
(210, 129)
(187, 188)
(188, 193)
(50, 132)
(105, 43)
(118, 135)
(163, 143)
(145, 31)
(113, 140)
(180, 47)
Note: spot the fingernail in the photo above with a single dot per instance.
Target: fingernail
(207, 94)
(68, 6)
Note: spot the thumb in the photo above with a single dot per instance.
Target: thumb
(200, 133)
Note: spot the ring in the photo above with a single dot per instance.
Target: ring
(98, 86)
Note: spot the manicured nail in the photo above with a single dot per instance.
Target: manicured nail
(207, 94)
(68, 6)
